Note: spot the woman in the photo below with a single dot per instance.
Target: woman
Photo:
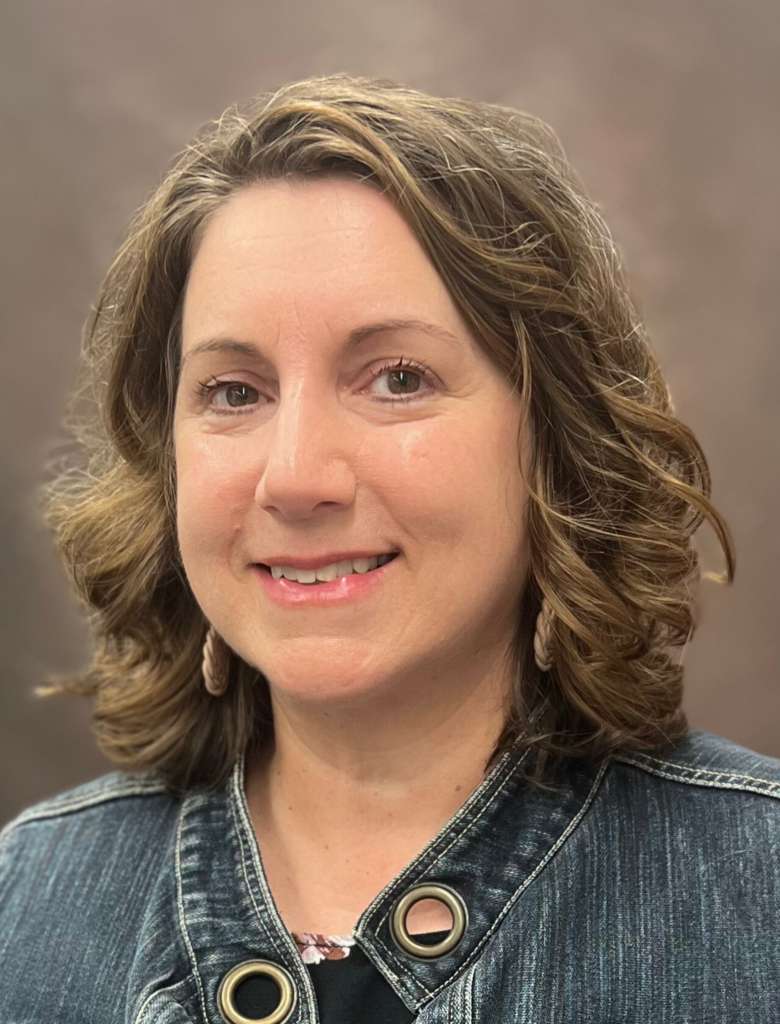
(386, 538)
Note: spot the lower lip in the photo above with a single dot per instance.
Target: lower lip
(290, 594)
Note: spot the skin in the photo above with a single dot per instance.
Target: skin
(386, 708)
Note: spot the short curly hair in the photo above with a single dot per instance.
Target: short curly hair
(617, 485)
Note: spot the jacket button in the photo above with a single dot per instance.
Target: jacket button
(226, 995)
(432, 891)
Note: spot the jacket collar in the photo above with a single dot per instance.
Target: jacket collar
(489, 852)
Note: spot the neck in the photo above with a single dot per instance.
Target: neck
(360, 789)
(402, 746)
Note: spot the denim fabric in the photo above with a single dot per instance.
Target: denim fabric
(643, 889)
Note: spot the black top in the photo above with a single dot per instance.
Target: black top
(352, 991)
(349, 989)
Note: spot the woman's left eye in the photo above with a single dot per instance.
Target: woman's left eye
(402, 374)
(404, 369)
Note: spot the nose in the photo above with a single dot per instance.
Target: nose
(309, 456)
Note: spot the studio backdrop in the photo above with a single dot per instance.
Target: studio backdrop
(668, 112)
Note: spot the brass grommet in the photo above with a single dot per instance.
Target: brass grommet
(433, 891)
(237, 974)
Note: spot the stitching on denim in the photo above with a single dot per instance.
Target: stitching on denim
(539, 867)
(404, 970)
(469, 1007)
(53, 810)
(419, 861)
(383, 969)
(424, 864)
(772, 788)
(258, 872)
(6, 835)
(457, 838)
(182, 920)
(460, 1008)
(259, 916)
(159, 994)
(451, 1008)
(237, 804)
(147, 1006)
(387, 973)
(695, 771)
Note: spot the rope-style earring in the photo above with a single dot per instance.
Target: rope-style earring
(216, 663)
(216, 653)
(542, 637)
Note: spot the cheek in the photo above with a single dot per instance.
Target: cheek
(417, 471)
(449, 484)
(213, 495)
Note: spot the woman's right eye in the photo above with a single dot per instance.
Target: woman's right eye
(205, 391)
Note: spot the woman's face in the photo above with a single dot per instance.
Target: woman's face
(311, 450)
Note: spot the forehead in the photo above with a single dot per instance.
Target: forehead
(331, 246)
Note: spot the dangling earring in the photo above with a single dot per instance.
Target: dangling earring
(216, 663)
(542, 637)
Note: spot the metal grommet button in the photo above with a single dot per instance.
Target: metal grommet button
(433, 891)
(249, 969)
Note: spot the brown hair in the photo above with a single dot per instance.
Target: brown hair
(617, 484)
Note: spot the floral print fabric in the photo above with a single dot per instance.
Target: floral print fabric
(315, 948)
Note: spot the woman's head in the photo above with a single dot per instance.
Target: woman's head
(546, 452)
(311, 446)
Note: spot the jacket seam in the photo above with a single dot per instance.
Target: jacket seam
(79, 804)
(158, 995)
(455, 826)
(469, 1000)
(238, 812)
(255, 907)
(692, 776)
(182, 916)
(459, 834)
(5, 844)
(46, 813)
(426, 867)
(527, 881)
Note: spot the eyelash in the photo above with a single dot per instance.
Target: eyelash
(204, 389)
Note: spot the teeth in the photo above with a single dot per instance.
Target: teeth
(329, 572)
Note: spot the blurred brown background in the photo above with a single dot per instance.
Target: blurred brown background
(668, 110)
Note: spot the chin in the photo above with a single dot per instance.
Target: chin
(316, 689)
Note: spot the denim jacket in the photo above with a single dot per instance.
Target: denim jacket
(641, 889)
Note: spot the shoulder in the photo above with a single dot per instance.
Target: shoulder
(109, 797)
(706, 790)
(81, 876)
(84, 826)
(102, 792)
(706, 761)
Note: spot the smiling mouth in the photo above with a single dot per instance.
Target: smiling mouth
(267, 569)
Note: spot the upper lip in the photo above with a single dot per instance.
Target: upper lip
(318, 561)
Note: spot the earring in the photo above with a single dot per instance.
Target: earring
(216, 662)
(542, 637)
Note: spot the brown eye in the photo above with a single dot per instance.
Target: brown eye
(406, 376)
(239, 395)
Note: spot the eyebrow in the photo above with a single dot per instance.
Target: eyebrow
(354, 338)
